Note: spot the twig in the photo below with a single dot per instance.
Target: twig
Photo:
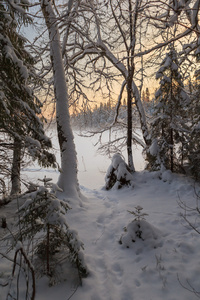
(190, 288)
(73, 293)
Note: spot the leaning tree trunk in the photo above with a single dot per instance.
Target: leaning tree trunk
(68, 177)
(15, 170)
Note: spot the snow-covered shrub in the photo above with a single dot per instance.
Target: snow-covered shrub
(139, 229)
(118, 173)
(43, 217)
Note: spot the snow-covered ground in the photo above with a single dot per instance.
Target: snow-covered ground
(164, 265)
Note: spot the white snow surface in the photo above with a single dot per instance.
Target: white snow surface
(162, 266)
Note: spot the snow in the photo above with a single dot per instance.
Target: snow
(10, 54)
(153, 149)
(198, 126)
(161, 265)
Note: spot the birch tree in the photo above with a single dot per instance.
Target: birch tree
(68, 177)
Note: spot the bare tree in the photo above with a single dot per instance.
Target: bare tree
(119, 23)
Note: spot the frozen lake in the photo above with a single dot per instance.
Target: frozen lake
(90, 161)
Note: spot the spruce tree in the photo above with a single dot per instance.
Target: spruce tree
(193, 144)
(19, 108)
(168, 128)
(43, 215)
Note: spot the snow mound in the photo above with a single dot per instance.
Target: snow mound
(167, 176)
(141, 231)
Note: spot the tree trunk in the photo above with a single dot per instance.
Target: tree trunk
(172, 100)
(142, 115)
(48, 249)
(68, 177)
(131, 68)
(16, 165)
(171, 150)
(129, 125)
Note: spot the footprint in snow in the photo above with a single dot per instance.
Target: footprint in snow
(137, 283)
(107, 204)
(117, 268)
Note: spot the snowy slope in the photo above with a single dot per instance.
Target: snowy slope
(160, 267)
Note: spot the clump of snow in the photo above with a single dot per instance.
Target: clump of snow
(153, 149)
(32, 144)
(167, 176)
(197, 127)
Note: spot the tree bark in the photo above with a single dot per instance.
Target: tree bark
(68, 177)
(129, 125)
(130, 68)
(171, 150)
(16, 165)
(48, 250)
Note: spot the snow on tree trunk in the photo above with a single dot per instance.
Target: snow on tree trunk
(15, 171)
(68, 178)
(142, 116)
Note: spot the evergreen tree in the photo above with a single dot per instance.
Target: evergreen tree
(169, 131)
(19, 108)
(193, 145)
(44, 215)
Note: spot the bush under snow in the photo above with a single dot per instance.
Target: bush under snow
(140, 229)
(118, 174)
